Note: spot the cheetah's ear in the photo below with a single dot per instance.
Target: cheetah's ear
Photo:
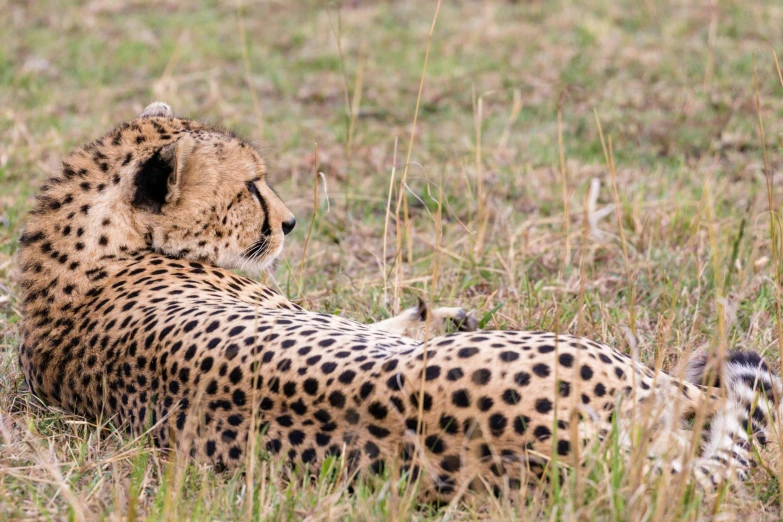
(159, 179)
(157, 108)
(183, 150)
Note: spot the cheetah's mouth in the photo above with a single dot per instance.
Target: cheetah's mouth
(260, 255)
(257, 249)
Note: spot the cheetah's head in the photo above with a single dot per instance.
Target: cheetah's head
(205, 197)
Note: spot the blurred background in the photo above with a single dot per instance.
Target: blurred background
(591, 166)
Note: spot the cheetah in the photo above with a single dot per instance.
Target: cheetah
(130, 312)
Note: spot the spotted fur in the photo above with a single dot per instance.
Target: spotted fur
(130, 312)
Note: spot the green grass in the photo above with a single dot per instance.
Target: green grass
(672, 84)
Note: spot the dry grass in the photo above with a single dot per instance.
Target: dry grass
(512, 207)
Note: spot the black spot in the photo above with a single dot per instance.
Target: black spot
(541, 370)
(461, 398)
(543, 405)
(435, 444)
(509, 356)
(450, 463)
(396, 382)
(566, 360)
(289, 389)
(189, 326)
(322, 439)
(378, 410)
(432, 372)
(190, 353)
(521, 423)
(296, 437)
(352, 416)
(481, 376)
(485, 403)
(465, 353)
(586, 372)
(542, 433)
(563, 447)
(377, 467)
(522, 378)
(497, 424)
(371, 449)
(337, 399)
(347, 376)
(299, 407)
(27, 239)
(454, 374)
(426, 403)
(236, 331)
(366, 390)
(511, 397)
(238, 397)
(311, 386)
(449, 424)
(378, 431)
(308, 456)
(214, 325)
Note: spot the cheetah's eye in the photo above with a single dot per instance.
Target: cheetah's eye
(251, 186)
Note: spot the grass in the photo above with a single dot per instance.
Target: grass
(682, 259)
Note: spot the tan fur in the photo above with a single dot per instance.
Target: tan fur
(129, 312)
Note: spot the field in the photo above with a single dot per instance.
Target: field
(594, 167)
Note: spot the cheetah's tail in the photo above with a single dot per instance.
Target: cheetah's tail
(752, 393)
(700, 372)
(738, 367)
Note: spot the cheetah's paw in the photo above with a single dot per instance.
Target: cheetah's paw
(455, 319)
(421, 322)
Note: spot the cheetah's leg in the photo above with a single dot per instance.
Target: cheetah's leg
(413, 322)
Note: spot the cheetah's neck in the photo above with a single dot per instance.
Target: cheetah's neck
(82, 228)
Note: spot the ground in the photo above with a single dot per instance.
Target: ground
(690, 263)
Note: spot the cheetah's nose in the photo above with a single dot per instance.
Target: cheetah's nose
(289, 225)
